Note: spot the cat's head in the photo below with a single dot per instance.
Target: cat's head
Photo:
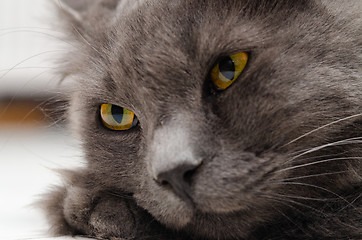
(208, 158)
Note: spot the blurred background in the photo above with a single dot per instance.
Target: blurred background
(31, 143)
(29, 45)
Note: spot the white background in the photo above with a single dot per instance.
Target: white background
(29, 42)
(27, 158)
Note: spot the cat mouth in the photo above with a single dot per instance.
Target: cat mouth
(182, 191)
(175, 211)
(212, 190)
(197, 204)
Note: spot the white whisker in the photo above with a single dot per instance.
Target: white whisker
(40, 28)
(283, 200)
(49, 35)
(24, 68)
(27, 59)
(338, 143)
(313, 186)
(19, 92)
(324, 126)
(318, 162)
(314, 175)
(301, 228)
(351, 203)
(302, 198)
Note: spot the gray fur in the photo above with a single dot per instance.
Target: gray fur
(257, 179)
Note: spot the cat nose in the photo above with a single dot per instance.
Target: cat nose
(174, 155)
(179, 179)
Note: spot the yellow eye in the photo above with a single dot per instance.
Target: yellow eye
(117, 118)
(228, 69)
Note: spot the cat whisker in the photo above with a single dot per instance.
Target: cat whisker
(278, 198)
(45, 163)
(318, 162)
(53, 123)
(333, 144)
(322, 127)
(24, 68)
(5, 33)
(26, 84)
(24, 27)
(352, 202)
(314, 175)
(313, 186)
(19, 91)
(302, 197)
(286, 200)
(309, 159)
(46, 34)
(293, 222)
(37, 107)
(296, 153)
(27, 59)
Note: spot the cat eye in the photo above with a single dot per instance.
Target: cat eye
(228, 69)
(117, 118)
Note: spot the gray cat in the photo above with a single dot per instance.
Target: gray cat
(213, 119)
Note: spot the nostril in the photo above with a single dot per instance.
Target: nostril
(164, 183)
(179, 179)
(189, 175)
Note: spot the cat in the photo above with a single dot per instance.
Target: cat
(212, 119)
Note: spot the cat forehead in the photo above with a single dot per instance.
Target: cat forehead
(166, 39)
(182, 22)
(81, 11)
(171, 40)
(160, 31)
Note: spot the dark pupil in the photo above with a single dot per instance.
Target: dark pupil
(117, 113)
(227, 68)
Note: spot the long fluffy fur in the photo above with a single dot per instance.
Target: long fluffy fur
(281, 148)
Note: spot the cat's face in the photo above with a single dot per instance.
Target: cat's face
(203, 157)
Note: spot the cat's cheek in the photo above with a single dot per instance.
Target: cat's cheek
(230, 184)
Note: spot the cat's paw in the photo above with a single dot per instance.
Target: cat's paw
(102, 216)
(79, 211)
